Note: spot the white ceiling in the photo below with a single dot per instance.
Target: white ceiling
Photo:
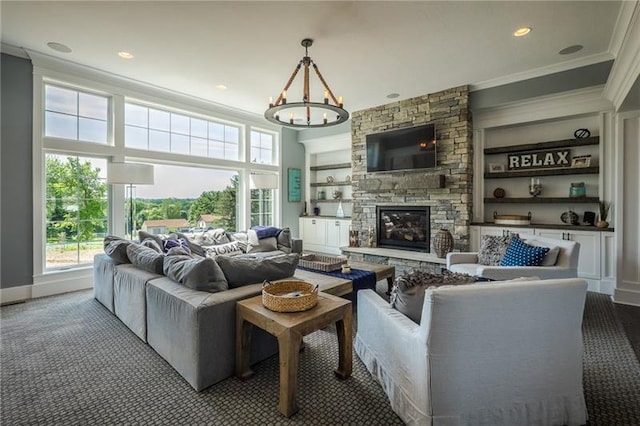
(365, 50)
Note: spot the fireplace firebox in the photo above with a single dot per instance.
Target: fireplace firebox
(404, 227)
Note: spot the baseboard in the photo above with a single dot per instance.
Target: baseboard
(626, 297)
(64, 285)
(15, 294)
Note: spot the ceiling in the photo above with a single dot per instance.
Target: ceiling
(365, 50)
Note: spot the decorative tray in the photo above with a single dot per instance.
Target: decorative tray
(321, 263)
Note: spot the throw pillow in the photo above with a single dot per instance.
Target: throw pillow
(180, 242)
(116, 249)
(264, 244)
(520, 253)
(228, 249)
(492, 249)
(211, 237)
(145, 258)
(152, 244)
(240, 271)
(158, 238)
(242, 239)
(201, 274)
(407, 295)
(551, 257)
(194, 247)
(284, 240)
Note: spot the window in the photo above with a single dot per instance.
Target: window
(76, 209)
(262, 202)
(262, 147)
(163, 131)
(71, 114)
(182, 197)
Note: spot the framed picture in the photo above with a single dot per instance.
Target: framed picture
(581, 161)
(294, 185)
(496, 168)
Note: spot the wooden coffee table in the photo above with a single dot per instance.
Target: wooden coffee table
(289, 329)
(341, 286)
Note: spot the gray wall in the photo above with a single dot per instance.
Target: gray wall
(292, 156)
(321, 132)
(16, 244)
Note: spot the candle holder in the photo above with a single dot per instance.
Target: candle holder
(535, 189)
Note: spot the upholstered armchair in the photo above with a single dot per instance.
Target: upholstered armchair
(565, 265)
(491, 353)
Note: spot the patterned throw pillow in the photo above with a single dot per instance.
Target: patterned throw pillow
(492, 249)
(229, 249)
(520, 253)
(407, 295)
(180, 242)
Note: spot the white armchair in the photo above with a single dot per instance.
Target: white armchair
(566, 265)
(484, 354)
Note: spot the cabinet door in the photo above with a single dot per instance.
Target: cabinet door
(589, 258)
(314, 232)
(337, 233)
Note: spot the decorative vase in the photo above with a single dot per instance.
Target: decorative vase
(340, 212)
(602, 224)
(443, 242)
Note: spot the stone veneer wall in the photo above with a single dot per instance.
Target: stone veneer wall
(451, 205)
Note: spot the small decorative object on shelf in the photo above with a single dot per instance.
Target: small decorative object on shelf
(570, 218)
(372, 237)
(329, 179)
(443, 242)
(499, 193)
(535, 188)
(577, 190)
(340, 211)
(496, 168)
(348, 178)
(322, 195)
(582, 133)
(353, 237)
(589, 218)
(604, 212)
(316, 211)
(581, 161)
(337, 194)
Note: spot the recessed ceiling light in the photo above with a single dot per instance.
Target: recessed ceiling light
(522, 31)
(221, 87)
(393, 95)
(125, 55)
(571, 49)
(59, 47)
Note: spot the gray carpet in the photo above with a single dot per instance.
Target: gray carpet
(66, 360)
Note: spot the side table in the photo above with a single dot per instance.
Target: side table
(289, 329)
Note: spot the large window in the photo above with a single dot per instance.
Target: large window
(158, 130)
(76, 209)
(262, 203)
(262, 147)
(71, 114)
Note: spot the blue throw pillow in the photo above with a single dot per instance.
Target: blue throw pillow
(520, 253)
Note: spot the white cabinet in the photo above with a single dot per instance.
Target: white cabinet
(589, 258)
(503, 231)
(325, 235)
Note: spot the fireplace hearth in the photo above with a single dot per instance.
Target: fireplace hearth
(404, 227)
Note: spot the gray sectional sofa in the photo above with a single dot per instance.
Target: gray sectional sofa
(193, 330)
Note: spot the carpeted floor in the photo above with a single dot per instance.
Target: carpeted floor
(66, 360)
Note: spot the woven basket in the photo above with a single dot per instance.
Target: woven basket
(289, 295)
(321, 263)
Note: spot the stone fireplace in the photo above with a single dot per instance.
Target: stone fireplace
(445, 189)
(404, 227)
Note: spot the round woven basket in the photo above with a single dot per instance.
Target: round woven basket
(289, 295)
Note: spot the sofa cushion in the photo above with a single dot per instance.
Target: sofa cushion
(152, 244)
(492, 249)
(116, 249)
(264, 244)
(551, 258)
(520, 253)
(201, 274)
(284, 240)
(252, 269)
(145, 258)
(228, 249)
(407, 295)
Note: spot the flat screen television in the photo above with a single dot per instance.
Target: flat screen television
(402, 149)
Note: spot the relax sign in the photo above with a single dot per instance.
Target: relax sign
(540, 159)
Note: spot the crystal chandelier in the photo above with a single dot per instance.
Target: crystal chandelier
(313, 114)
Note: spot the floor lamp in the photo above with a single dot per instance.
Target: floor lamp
(130, 174)
(262, 181)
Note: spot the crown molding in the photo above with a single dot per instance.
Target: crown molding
(327, 143)
(542, 71)
(626, 68)
(623, 23)
(12, 50)
(566, 104)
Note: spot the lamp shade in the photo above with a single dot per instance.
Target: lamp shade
(130, 173)
(263, 181)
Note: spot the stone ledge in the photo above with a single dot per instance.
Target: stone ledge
(397, 254)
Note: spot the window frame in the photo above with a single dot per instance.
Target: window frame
(119, 90)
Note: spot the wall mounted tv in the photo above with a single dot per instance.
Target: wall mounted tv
(402, 149)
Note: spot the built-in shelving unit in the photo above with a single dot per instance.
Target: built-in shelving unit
(543, 200)
(330, 167)
(332, 200)
(545, 172)
(342, 183)
(565, 143)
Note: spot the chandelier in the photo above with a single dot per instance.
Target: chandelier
(306, 114)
